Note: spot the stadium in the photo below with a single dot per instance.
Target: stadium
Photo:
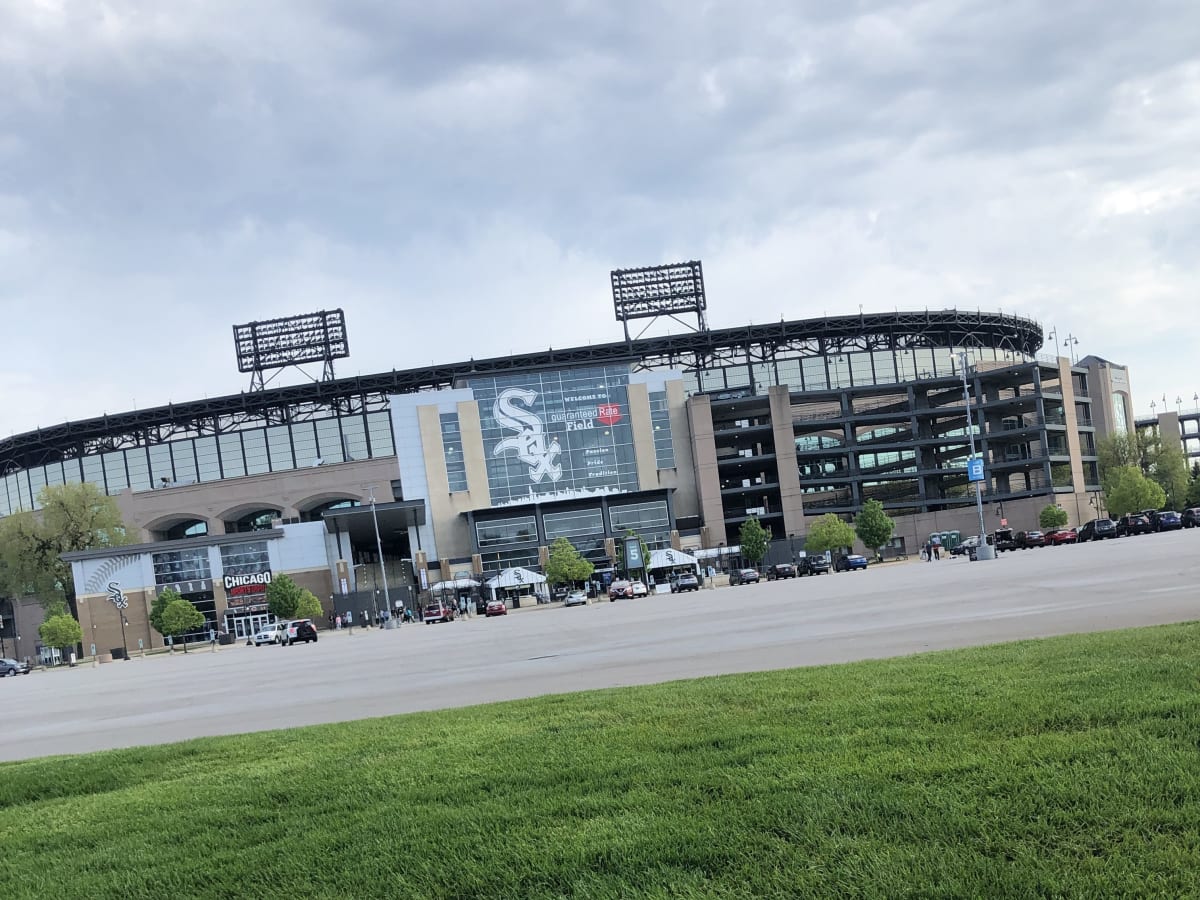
(406, 479)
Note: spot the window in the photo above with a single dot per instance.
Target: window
(176, 566)
(304, 440)
(208, 463)
(575, 523)
(452, 452)
(516, 530)
(1120, 418)
(379, 426)
(114, 472)
(660, 422)
(279, 448)
(233, 464)
(329, 441)
(255, 443)
(138, 464)
(245, 559)
(354, 435)
(814, 373)
(183, 456)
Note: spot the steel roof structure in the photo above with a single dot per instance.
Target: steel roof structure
(693, 351)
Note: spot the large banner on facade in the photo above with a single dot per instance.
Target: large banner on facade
(557, 434)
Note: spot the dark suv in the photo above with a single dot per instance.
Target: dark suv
(814, 565)
(1098, 530)
(1190, 517)
(780, 570)
(1133, 523)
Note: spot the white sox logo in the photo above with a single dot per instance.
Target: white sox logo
(116, 596)
(530, 439)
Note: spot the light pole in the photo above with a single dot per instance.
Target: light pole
(1070, 343)
(983, 551)
(387, 599)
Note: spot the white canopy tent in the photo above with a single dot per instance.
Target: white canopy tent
(670, 558)
(453, 585)
(515, 578)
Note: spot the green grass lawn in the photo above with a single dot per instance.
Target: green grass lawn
(1068, 766)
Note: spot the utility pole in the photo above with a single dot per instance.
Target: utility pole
(974, 467)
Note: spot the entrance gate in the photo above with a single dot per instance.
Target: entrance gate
(244, 627)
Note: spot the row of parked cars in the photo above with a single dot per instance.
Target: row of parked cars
(1149, 521)
(289, 631)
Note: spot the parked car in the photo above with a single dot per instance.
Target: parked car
(1168, 520)
(814, 565)
(1028, 539)
(965, 546)
(1004, 539)
(780, 570)
(576, 598)
(297, 630)
(1190, 517)
(495, 608)
(686, 581)
(640, 589)
(1133, 523)
(1061, 536)
(1098, 530)
(747, 576)
(851, 561)
(620, 589)
(13, 667)
(439, 612)
(268, 634)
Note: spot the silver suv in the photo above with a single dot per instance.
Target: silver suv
(289, 632)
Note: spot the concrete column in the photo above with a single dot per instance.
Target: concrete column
(704, 455)
(791, 497)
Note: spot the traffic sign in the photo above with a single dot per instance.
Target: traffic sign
(975, 469)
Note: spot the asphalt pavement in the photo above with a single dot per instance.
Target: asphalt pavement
(889, 610)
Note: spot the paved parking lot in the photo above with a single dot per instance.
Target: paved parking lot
(888, 610)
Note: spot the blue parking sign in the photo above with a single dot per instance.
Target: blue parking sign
(975, 469)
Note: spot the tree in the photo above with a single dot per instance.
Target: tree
(179, 617)
(309, 607)
(1168, 469)
(1193, 491)
(160, 603)
(1119, 450)
(72, 517)
(828, 533)
(873, 526)
(61, 632)
(1128, 490)
(283, 598)
(566, 564)
(1052, 516)
(753, 539)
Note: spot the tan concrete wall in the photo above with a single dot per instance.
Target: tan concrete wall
(1073, 445)
(643, 437)
(790, 495)
(704, 455)
(446, 510)
(215, 501)
(683, 477)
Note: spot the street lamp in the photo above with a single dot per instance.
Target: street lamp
(387, 599)
(1071, 343)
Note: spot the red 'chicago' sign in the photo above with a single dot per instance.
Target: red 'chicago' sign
(608, 413)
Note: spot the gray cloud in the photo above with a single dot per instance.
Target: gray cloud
(461, 177)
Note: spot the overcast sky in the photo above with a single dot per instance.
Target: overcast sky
(461, 178)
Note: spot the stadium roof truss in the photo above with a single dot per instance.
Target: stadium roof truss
(690, 352)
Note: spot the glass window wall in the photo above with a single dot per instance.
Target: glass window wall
(573, 523)
(183, 456)
(304, 441)
(515, 530)
(233, 463)
(329, 441)
(208, 463)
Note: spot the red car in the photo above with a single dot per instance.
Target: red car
(495, 608)
(1062, 536)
